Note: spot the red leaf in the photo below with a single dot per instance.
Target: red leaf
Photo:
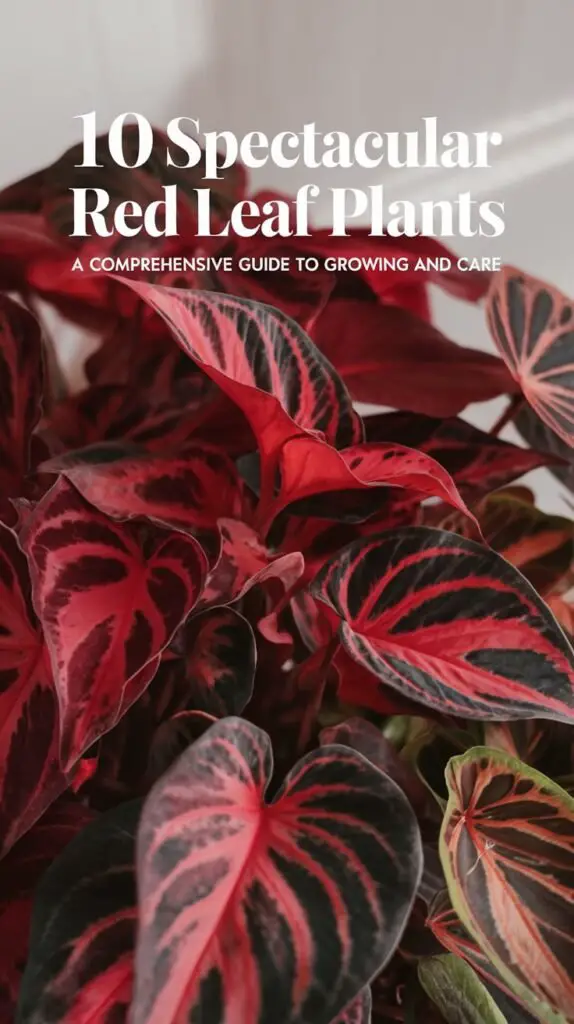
(450, 624)
(190, 492)
(80, 969)
(277, 912)
(477, 462)
(20, 873)
(533, 326)
(309, 467)
(30, 777)
(21, 385)
(262, 360)
(245, 562)
(216, 658)
(109, 596)
(376, 348)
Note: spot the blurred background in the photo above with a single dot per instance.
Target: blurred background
(349, 65)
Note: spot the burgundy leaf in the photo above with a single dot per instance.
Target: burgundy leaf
(375, 348)
(216, 656)
(186, 493)
(30, 776)
(20, 872)
(109, 596)
(21, 387)
(359, 1011)
(268, 913)
(450, 624)
(369, 741)
(244, 562)
(80, 969)
(477, 462)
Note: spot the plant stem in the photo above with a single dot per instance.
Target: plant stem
(507, 414)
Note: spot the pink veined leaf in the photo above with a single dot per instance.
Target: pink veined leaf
(477, 461)
(533, 326)
(245, 562)
(215, 662)
(188, 492)
(268, 913)
(448, 623)
(109, 597)
(30, 774)
(264, 362)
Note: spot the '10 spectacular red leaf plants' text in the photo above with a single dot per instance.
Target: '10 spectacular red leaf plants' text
(287, 694)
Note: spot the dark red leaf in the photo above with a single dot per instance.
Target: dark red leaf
(109, 596)
(20, 872)
(359, 1012)
(369, 741)
(188, 493)
(80, 969)
(262, 360)
(216, 658)
(450, 624)
(533, 326)
(477, 462)
(21, 387)
(170, 740)
(245, 562)
(469, 285)
(374, 348)
(278, 912)
(30, 776)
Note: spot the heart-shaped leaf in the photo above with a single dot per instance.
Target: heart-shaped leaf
(109, 597)
(450, 624)
(507, 848)
(268, 913)
(533, 326)
(30, 774)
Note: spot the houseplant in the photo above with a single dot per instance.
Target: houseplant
(287, 695)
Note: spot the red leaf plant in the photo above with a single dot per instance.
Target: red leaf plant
(287, 694)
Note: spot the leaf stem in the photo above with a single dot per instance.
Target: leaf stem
(508, 414)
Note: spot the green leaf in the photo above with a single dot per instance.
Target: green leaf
(507, 849)
(457, 991)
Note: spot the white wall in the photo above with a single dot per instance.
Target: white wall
(347, 64)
